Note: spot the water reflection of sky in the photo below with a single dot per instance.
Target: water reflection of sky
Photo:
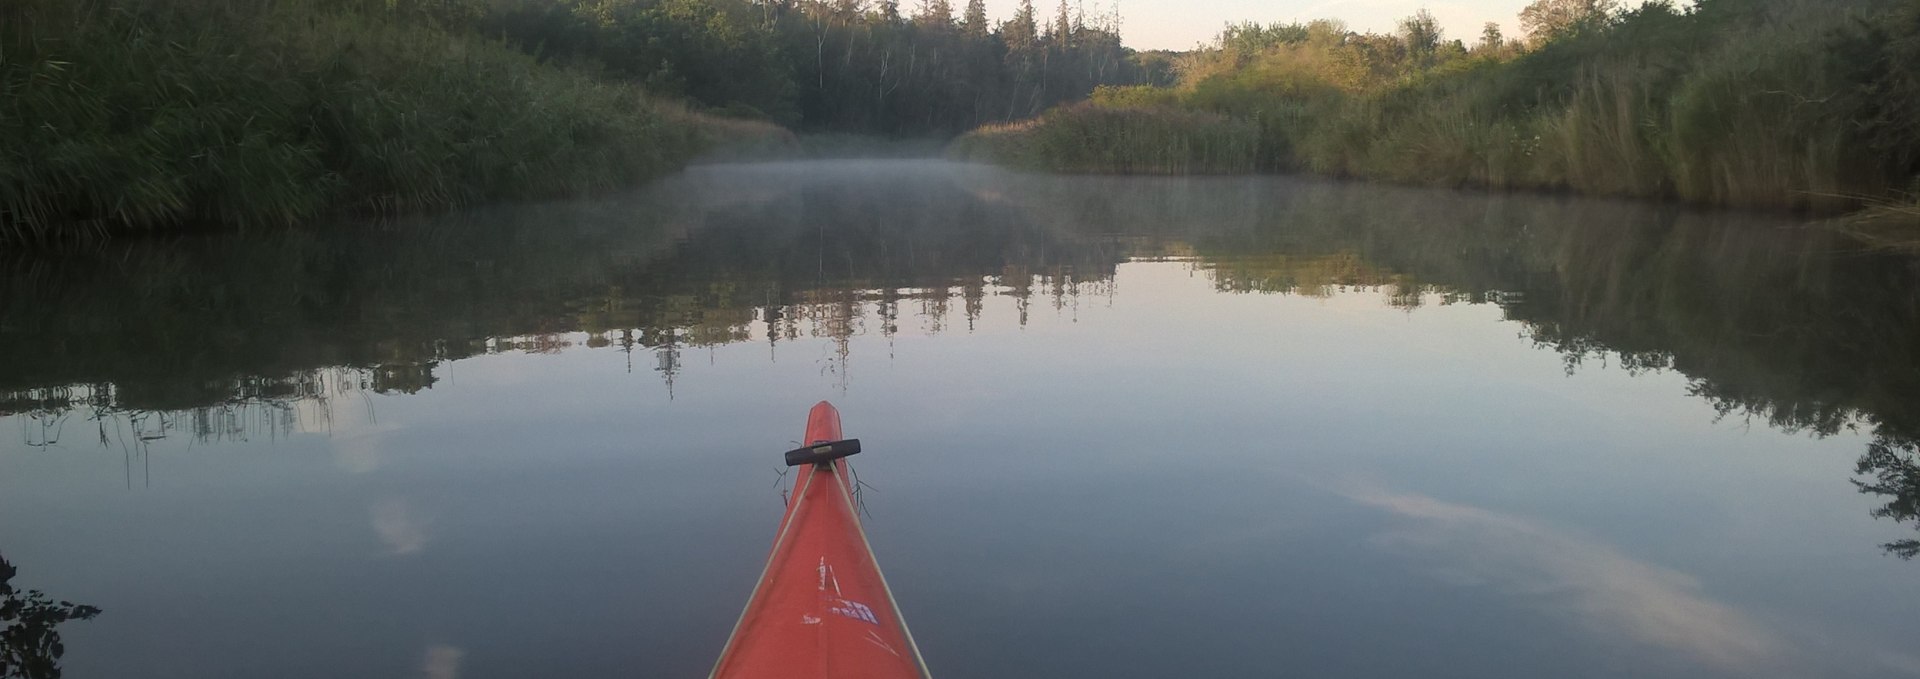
(1149, 478)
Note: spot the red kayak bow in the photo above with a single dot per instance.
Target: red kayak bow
(821, 608)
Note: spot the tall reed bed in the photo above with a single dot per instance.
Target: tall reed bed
(1787, 104)
(123, 115)
(1095, 139)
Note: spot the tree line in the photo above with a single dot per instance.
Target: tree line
(123, 115)
(834, 65)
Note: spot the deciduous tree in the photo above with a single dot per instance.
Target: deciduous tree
(1545, 19)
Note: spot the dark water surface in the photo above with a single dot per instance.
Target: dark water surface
(1115, 427)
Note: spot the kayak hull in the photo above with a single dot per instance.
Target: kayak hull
(821, 608)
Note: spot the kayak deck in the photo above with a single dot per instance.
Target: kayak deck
(821, 607)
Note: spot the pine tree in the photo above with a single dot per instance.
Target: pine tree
(1062, 25)
(936, 13)
(849, 8)
(1021, 32)
(975, 22)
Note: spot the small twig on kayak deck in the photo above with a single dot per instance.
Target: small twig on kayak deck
(859, 492)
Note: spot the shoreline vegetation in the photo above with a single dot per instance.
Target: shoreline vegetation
(144, 116)
(1094, 139)
(1794, 105)
(128, 117)
(149, 115)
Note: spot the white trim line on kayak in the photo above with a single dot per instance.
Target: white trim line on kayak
(780, 540)
(920, 663)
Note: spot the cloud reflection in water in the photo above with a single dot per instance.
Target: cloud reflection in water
(442, 662)
(1609, 592)
(400, 527)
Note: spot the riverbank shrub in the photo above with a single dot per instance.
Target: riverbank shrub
(1788, 104)
(130, 115)
(1097, 139)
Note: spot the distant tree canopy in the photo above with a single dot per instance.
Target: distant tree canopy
(1491, 37)
(1545, 19)
(1421, 32)
(837, 65)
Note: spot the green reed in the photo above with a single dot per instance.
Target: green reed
(147, 115)
(1095, 139)
(1787, 104)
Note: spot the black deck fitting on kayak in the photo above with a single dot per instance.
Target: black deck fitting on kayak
(822, 452)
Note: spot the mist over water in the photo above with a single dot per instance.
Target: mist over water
(1115, 427)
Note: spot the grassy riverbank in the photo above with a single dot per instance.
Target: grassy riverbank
(129, 115)
(1788, 104)
(1097, 139)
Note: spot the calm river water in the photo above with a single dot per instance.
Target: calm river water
(1115, 427)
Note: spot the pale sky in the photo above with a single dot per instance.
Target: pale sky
(1179, 24)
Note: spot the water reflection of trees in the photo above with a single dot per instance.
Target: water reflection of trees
(1795, 326)
(219, 325)
(30, 646)
(1792, 326)
(1892, 470)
